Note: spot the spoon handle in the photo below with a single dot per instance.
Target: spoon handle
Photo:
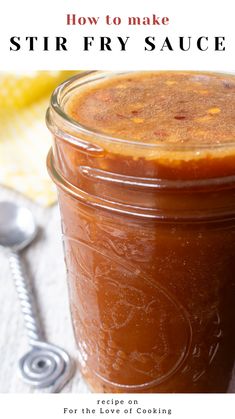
(25, 298)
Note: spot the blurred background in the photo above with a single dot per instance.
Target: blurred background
(24, 144)
(24, 138)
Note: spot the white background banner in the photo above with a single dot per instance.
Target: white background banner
(142, 406)
(164, 34)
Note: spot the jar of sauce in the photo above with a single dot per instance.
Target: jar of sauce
(144, 163)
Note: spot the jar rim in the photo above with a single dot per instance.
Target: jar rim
(75, 128)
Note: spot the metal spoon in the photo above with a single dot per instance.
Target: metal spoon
(45, 365)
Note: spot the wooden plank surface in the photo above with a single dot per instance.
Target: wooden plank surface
(44, 263)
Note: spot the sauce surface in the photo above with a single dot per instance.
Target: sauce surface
(160, 107)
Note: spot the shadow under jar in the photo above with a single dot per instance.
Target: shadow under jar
(144, 164)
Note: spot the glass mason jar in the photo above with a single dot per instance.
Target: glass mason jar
(149, 250)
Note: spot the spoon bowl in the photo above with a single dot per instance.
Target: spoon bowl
(17, 226)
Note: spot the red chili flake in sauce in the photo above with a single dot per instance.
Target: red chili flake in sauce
(160, 133)
(180, 117)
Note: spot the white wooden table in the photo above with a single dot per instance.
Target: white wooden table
(45, 264)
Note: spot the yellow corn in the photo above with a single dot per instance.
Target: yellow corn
(20, 90)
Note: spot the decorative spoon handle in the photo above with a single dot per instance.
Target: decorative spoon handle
(45, 365)
(26, 299)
